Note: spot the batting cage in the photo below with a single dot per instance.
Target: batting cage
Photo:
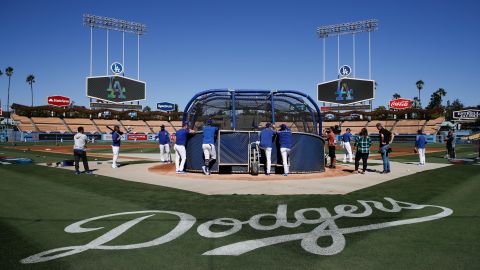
(240, 115)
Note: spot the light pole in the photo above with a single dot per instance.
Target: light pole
(112, 24)
(351, 28)
(420, 84)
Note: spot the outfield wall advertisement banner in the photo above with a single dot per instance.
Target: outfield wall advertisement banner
(467, 114)
(137, 137)
(115, 89)
(346, 91)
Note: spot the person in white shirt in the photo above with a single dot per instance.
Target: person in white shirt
(79, 151)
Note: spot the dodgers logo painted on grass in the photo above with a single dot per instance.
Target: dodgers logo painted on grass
(326, 227)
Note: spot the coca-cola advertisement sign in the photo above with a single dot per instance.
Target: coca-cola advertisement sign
(58, 101)
(400, 103)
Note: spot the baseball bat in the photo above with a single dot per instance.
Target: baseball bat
(111, 129)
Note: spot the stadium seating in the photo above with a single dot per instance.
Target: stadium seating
(155, 125)
(49, 124)
(103, 123)
(355, 126)
(87, 124)
(23, 123)
(176, 124)
(136, 126)
(372, 125)
(432, 126)
(55, 124)
(408, 126)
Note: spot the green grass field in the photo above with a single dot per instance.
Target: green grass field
(39, 202)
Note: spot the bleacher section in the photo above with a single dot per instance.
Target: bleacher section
(408, 126)
(155, 125)
(67, 125)
(397, 127)
(432, 126)
(176, 124)
(87, 124)
(23, 123)
(49, 124)
(355, 126)
(136, 126)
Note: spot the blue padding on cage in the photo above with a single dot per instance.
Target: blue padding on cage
(195, 158)
(307, 153)
(234, 148)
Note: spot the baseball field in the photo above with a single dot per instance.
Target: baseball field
(52, 219)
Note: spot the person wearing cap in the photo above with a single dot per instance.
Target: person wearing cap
(180, 151)
(420, 143)
(285, 140)
(266, 144)
(346, 138)
(208, 145)
(164, 144)
(116, 141)
(386, 138)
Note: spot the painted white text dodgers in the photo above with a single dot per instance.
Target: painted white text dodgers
(308, 240)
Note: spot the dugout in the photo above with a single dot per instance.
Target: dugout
(241, 114)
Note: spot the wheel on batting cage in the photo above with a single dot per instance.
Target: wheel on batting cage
(254, 168)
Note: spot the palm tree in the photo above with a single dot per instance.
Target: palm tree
(9, 73)
(396, 95)
(416, 103)
(31, 80)
(441, 92)
(420, 84)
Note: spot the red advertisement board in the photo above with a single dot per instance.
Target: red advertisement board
(58, 101)
(137, 137)
(400, 103)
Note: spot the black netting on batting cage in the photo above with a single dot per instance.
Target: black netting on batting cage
(252, 111)
(294, 112)
(217, 107)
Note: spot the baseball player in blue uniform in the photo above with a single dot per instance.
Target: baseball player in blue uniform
(116, 141)
(266, 144)
(180, 151)
(285, 140)
(164, 144)
(346, 138)
(208, 145)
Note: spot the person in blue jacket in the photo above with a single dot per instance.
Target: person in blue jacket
(116, 141)
(180, 151)
(266, 143)
(208, 145)
(420, 143)
(285, 140)
(346, 139)
(164, 144)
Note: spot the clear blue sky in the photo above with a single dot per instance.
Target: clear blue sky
(196, 45)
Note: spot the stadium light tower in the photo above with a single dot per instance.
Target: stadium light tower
(94, 21)
(351, 28)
